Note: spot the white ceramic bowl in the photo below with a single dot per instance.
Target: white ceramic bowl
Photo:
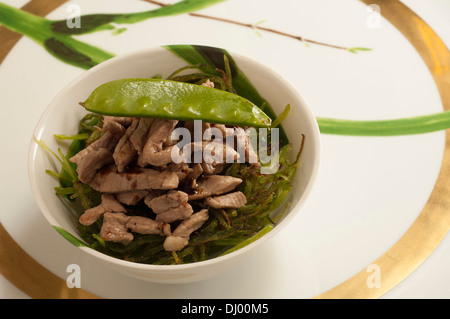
(63, 115)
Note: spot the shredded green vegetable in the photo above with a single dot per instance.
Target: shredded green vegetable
(225, 231)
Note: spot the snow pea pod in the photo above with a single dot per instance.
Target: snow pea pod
(159, 98)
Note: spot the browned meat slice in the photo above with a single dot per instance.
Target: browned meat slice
(108, 180)
(109, 204)
(171, 141)
(212, 168)
(144, 225)
(153, 152)
(208, 83)
(231, 200)
(191, 179)
(182, 169)
(114, 128)
(212, 155)
(114, 228)
(139, 136)
(125, 152)
(170, 200)
(214, 151)
(89, 164)
(124, 121)
(131, 197)
(191, 224)
(91, 215)
(214, 185)
(243, 140)
(113, 132)
(208, 168)
(175, 243)
(180, 236)
(153, 193)
(215, 155)
(171, 206)
(197, 171)
(173, 214)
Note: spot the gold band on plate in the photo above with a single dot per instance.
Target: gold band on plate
(31, 277)
(433, 223)
(15, 264)
(396, 264)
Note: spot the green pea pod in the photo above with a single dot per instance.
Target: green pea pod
(169, 99)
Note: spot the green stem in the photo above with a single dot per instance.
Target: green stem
(71, 238)
(404, 126)
(63, 47)
(250, 240)
(97, 22)
(25, 23)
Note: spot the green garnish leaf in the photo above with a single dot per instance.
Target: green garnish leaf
(82, 136)
(250, 240)
(71, 238)
(282, 116)
(356, 49)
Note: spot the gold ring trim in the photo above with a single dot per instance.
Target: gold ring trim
(433, 223)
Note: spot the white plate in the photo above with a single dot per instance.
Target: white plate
(369, 190)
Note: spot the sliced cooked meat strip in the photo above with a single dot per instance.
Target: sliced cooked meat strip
(197, 171)
(89, 164)
(243, 140)
(145, 225)
(216, 152)
(122, 120)
(109, 180)
(191, 224)
(231, 200)
(139, 136)
(180, 236)
(212, 168)
(215, 155)
(132, 197)
(173, 214)
(211, 185)
(152, 193)
(108, 204)
(175, 243)
(171, 207)
(208, 153)
(125, 152)
(153, 152)
(208, 83)
(114, 128)
(164, 202)
(113, 132)
(182, 170)
(114, 228)
(91, 215)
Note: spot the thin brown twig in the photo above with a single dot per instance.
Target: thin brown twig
(255, 26)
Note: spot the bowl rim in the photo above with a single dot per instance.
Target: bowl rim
(315, 140)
